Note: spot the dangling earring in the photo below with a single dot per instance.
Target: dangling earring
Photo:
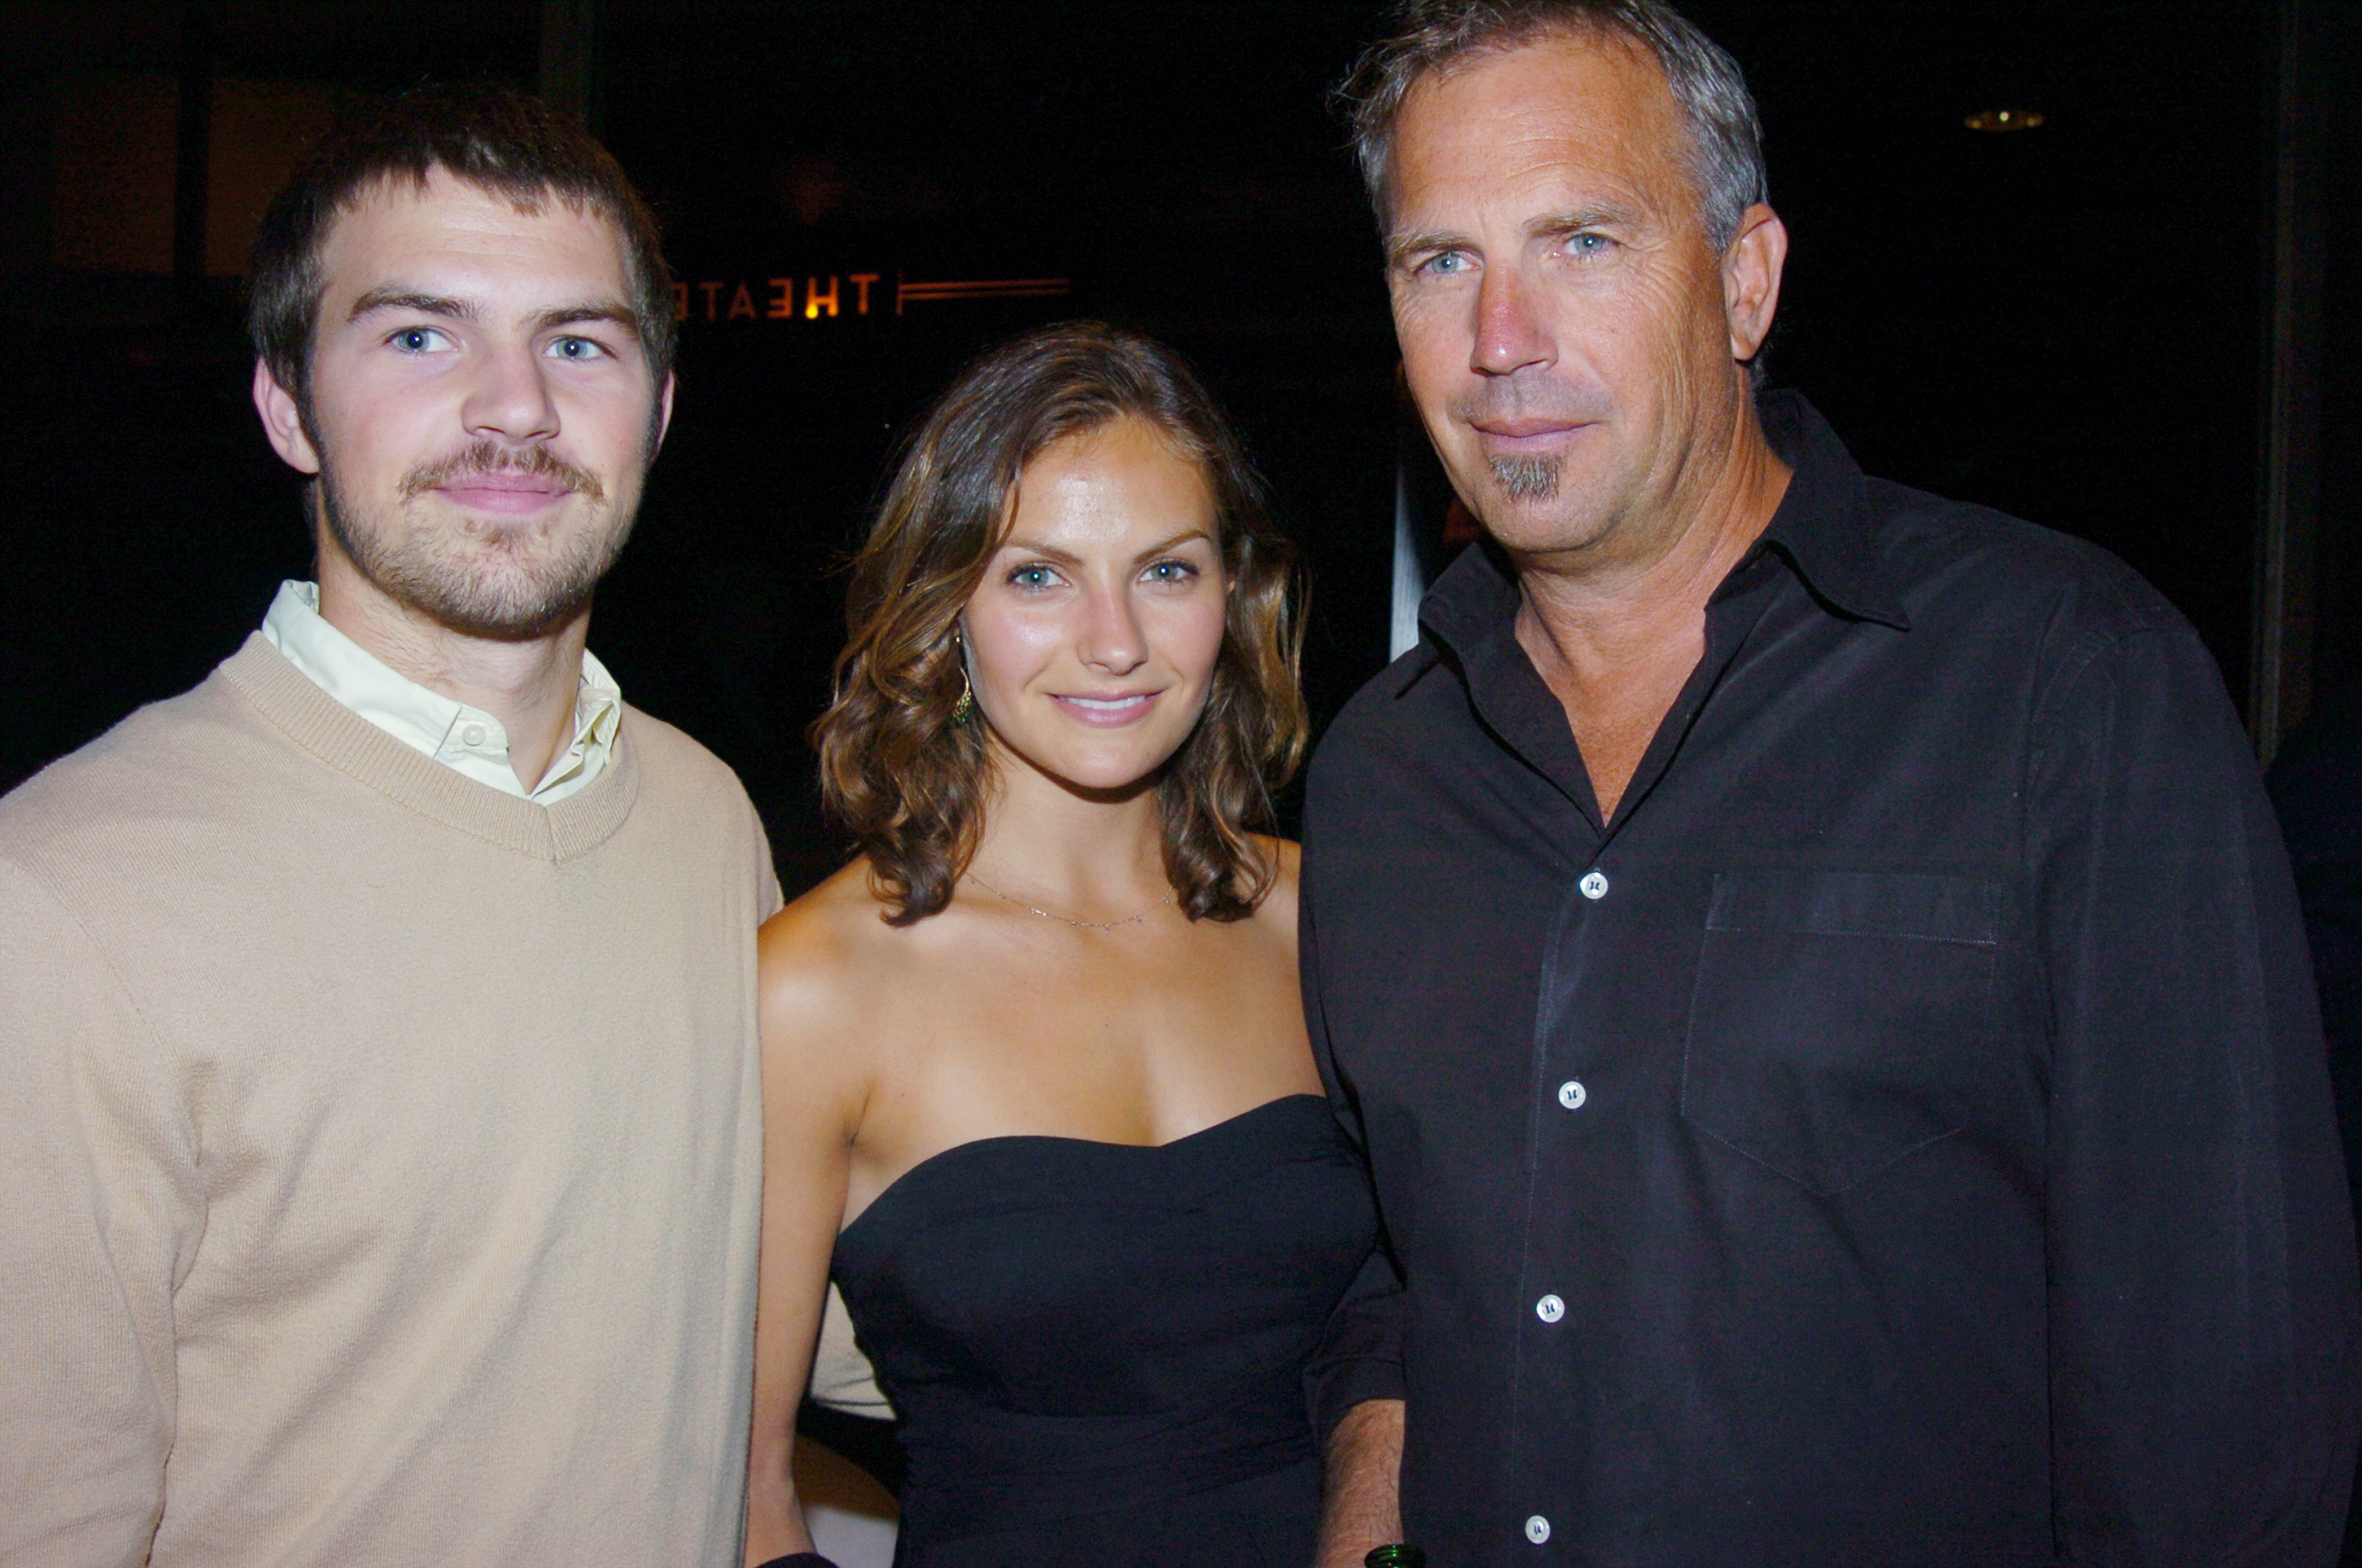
(966, 703)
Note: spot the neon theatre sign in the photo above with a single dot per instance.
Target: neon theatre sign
(839, 295)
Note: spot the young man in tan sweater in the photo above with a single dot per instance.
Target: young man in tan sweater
(378, 1123)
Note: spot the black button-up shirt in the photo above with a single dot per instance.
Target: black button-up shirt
(1900, 1137)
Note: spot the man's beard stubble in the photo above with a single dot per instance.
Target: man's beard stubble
(451, 577)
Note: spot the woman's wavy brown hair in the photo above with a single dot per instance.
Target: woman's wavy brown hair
(911, 783)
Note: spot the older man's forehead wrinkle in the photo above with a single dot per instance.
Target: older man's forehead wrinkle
(1539, 180)
(1588, 171)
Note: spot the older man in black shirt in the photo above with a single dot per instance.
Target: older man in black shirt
(1811, 963)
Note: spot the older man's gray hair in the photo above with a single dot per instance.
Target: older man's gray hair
(1724, 155)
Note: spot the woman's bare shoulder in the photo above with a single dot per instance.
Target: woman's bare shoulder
(1287, 858)
(817, 959)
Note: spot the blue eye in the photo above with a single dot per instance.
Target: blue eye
(1032, 577)
(415, 339)
(1587, 244)
(1171, 571)
(576, 348)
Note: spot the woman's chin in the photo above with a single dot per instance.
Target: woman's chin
(1097, 776)
(1109, 784)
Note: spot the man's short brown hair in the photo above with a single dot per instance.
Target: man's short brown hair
(495, 139)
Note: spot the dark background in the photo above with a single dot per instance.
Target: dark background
(2075, 323)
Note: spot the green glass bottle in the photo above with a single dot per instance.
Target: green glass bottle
(1394, 1554)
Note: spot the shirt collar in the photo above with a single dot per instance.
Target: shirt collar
(1823, 528)
(465, 738)
(1824, 524)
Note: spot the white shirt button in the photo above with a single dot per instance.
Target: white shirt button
(1536, 1529)
(1549, 1309)
(1595, 887)
(1571, 1094)
(474, 735)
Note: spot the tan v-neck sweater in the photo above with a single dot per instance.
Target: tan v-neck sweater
(378, 1153)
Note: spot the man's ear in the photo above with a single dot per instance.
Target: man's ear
(664, 415)
(1750, 280)
(282, 421)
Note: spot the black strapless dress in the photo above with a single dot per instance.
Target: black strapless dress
(1097, 1349)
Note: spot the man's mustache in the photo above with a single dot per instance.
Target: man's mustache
(492, 458)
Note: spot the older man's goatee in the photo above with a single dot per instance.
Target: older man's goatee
(1527, 479)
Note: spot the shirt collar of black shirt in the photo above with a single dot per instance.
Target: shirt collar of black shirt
(1824, 530)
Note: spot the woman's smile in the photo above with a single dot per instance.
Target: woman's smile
(1106, 709)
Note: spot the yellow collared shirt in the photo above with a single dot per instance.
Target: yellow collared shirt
(466, 740)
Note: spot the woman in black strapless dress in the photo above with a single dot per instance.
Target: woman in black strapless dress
(1037, 1090)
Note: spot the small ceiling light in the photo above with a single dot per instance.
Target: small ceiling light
(2003, 120)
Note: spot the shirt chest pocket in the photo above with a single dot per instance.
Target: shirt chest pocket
(1839, 1018)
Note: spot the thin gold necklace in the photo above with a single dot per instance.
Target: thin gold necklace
(1062, 920)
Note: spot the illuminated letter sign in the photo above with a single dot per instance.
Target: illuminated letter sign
(825, 296)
